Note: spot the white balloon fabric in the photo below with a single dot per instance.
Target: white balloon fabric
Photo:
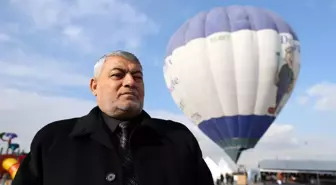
(231, 70)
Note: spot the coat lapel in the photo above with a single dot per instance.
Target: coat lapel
(92, 125)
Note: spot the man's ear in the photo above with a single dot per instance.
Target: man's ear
(93, 86)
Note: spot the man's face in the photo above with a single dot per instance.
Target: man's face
(119, 88)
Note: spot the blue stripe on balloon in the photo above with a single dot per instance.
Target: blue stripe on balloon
(229, 127)
(227, 19)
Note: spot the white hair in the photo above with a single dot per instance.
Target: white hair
(124, 54)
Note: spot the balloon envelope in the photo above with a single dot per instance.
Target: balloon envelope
(231, 70)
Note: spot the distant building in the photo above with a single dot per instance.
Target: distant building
(298, 166)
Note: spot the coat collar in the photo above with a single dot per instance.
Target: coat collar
(93, 125)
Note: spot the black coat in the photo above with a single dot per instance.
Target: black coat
(79, 151)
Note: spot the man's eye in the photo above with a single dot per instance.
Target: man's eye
(117, 75)
(138, 77)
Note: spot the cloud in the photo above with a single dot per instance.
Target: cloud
(59, 37)
(279, 141)
(30, 71)
(4, 37)
(25, 112)
(322, 96)
(302, 100)
(76, 34)
(88, 25)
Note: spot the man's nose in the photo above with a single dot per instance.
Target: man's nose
(128, 81)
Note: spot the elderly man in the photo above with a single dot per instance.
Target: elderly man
(117, 142)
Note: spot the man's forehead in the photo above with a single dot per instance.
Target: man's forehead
(117, 61)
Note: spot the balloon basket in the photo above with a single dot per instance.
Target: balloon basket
(241, 175)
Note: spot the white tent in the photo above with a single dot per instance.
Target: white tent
(224, 167)
(215, 171)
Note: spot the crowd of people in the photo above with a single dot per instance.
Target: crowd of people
(227, 179)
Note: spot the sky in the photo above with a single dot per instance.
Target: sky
(48, 49)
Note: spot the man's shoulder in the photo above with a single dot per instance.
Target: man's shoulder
(60, 126)
(54, 130)
(177, 133)
(169, 127)
(167, 124)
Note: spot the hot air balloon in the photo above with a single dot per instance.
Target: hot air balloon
(231, 70)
